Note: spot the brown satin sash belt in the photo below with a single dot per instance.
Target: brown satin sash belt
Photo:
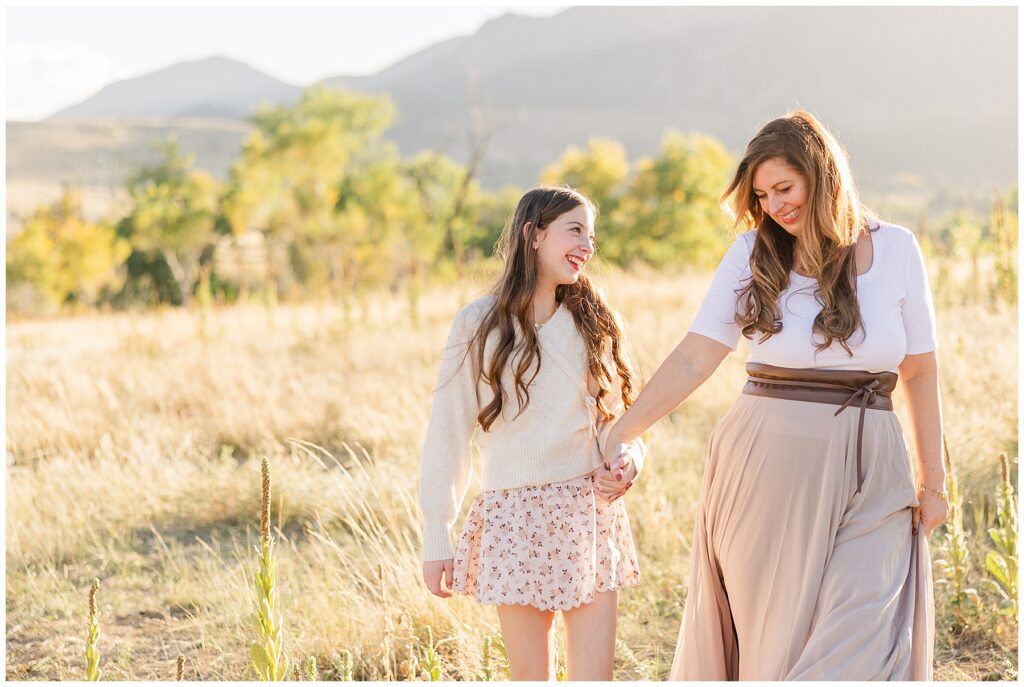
(838, 387)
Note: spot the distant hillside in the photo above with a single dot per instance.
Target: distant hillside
(930, 91)
(216, 87)
(924, 98)
(98, 155)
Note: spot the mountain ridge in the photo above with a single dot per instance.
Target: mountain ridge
(928, 92)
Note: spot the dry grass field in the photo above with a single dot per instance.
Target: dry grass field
(134, 443)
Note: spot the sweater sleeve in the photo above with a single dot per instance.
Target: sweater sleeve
(445, 461)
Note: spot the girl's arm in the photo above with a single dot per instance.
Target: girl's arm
(445, 461)
(686, 368)
(919, 377)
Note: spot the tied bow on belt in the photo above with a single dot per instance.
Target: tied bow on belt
(840, 387)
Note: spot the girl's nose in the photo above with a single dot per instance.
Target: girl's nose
(587, 244)
(774, 205)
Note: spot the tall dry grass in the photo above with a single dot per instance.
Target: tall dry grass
(134, 449)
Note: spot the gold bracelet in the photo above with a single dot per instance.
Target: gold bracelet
(941, 494)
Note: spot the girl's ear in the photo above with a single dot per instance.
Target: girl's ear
(536, 239)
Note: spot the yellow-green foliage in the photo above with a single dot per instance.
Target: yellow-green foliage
(954, 562)
(599, 171)
(92, 650)
(311, 673)
(267, 652)
(345, 666)
(1001, 561)
(173, 213)
(63, 257)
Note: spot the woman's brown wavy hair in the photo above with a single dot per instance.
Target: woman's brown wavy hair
(833, 218)
(596, 322)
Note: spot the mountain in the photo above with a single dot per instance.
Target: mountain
(923, 98)
(930, 91)
(216, 87)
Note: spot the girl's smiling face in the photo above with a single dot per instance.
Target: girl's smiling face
(565, 246)
(782, 192)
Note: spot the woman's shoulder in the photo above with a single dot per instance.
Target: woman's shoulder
(746, 239)
(895, 242)
(742, 246)
(888, 232)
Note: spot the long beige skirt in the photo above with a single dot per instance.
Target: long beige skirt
(794, 576)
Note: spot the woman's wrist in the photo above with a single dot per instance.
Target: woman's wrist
(931, 475)
(941, 493)
(617, 434)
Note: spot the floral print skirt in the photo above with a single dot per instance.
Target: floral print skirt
(551, 546)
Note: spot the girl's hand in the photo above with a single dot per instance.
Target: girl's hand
(932, 512)
(611, 482)
(433, 571)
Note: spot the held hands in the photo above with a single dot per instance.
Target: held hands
(616, 475)
(434, 571)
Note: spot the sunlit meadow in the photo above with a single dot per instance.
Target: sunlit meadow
(134, 445)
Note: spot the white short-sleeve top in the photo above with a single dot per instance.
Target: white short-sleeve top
(897, 314)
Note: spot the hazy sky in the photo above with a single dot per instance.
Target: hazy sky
(58, 56)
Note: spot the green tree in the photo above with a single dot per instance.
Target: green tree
(599, 171)
(296, 170)
(670, 213)
(492, 211)
(64, 258)
(173, 215)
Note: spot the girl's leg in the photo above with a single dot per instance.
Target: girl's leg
(526, 632)
(590, 638)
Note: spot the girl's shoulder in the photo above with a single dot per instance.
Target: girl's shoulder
(472, 314)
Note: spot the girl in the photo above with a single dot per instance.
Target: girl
(810, 559)
(533, 372)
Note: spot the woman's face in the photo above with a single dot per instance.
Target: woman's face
(782, 192)
(565, 246)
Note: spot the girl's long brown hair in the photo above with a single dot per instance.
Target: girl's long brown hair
(596, 322)
(833, 218)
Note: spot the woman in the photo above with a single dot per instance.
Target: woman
(810, 556)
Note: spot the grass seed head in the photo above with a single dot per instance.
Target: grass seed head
(265, 503)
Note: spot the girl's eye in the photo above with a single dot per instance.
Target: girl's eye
(785, 190)
(576, 229)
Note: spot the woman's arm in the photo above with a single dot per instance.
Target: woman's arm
(686, 368)
(919, 375)
(712, 335)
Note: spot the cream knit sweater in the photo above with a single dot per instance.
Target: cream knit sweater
(556, 438)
